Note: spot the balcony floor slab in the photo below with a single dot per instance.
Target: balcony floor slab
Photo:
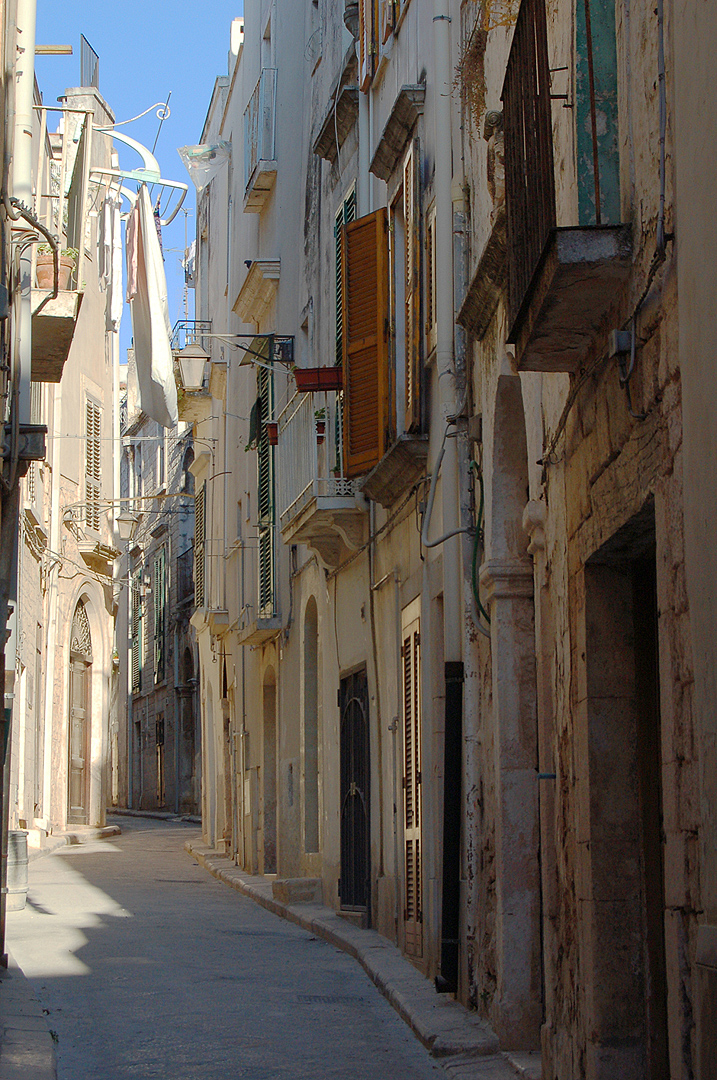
(578, 280)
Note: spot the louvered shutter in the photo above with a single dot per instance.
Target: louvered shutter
(93, 463)
(365, 342)
(199, 538)
(413, 910)
(412, 218)
(159, 595)
(345, 215)
(431, 280)
(136, 601)
(265, 490)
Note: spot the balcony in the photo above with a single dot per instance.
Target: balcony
(565, 278)
(260, 143)
(317, 503)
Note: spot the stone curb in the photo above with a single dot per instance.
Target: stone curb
(26, 1044)
(464, 1044)
(155, 815)
(70, 839)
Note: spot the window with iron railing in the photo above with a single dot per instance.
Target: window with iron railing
(266, 502)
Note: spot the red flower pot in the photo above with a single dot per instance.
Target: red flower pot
(272, 431)
(311, 380)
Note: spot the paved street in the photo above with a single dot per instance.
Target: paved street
(149, 968)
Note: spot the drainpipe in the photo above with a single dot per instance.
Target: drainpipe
(447, 979)
(52, 606)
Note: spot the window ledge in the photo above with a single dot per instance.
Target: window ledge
(489, 281)
(407, 107)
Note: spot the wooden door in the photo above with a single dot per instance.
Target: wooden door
(79, 685)
(355, 882)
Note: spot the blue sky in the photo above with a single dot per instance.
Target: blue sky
(146, 50)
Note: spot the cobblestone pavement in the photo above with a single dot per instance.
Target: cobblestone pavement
(149, 968)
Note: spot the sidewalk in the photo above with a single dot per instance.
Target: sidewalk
(461, 1041)
(27, 1049)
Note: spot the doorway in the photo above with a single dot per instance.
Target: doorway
(626, 912)
(80, 718)
(269, 771)
(355, 882)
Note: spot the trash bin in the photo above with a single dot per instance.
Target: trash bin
(16, 869)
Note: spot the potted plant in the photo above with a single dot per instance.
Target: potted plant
(320, 419)
(45, 270)
(314, 379)
(272, 431)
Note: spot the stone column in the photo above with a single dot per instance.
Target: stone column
(516, 1009)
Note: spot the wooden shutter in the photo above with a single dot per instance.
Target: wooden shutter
(265, 490)
(431, 280)
(159, 590)
(413, 910)
(93, 463)
(365, 341)
(412, 218)
(199, 538)
(346, 214)
(136, 601)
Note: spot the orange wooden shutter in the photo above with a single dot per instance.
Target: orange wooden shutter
(412, 218)
(365, 341)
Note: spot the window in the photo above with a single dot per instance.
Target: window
(93, 463)
(412, 269)
(265, 492)
(159, 595)
(199, 541)
(136, 629)
(161, 463)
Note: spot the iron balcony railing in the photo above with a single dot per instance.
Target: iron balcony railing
(527, 123)
(260, 124)
(310, 454)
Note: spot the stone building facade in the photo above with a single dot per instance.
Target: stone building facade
(454, 622)
(159, 751)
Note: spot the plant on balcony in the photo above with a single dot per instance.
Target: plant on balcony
(46, 267)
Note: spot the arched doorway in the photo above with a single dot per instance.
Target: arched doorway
(80, 720)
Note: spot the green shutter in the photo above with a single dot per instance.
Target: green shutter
(159, 593)
(199, 538)
(265, 489)
(345, 215)
(136, 602)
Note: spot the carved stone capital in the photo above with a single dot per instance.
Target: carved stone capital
(506, 579)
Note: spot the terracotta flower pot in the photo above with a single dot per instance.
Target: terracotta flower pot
(46, 270)
(320, 430)
(272, 431)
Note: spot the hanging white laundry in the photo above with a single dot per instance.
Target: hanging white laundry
(116, 298)
(104, 244)
(150, 322)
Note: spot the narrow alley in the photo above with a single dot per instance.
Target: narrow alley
(150, 968)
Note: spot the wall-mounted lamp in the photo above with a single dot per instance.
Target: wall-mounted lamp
(192, 360)
(126, 523)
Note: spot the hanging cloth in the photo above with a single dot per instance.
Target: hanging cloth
(150, 322)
